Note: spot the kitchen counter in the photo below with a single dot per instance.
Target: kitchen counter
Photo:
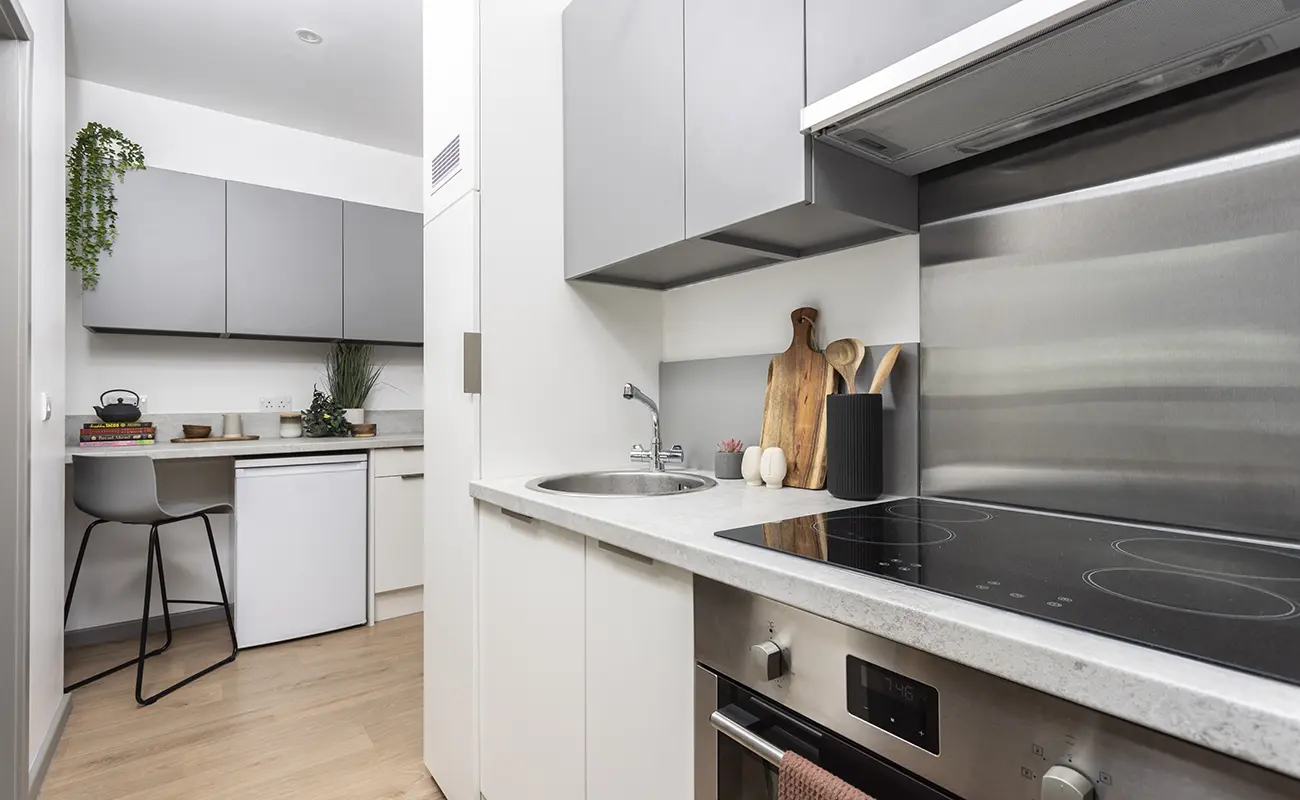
(266, 446)
(1249, 717)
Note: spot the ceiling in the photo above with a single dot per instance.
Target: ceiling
(362, 83)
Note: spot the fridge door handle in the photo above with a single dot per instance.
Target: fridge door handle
(305, 469)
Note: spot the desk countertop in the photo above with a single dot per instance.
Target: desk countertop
(261, 447)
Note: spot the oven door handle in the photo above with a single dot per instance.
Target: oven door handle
(746, 738)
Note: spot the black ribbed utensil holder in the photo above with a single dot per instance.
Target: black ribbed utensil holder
(854, 455)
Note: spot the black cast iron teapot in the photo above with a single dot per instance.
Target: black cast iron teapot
(120, 411)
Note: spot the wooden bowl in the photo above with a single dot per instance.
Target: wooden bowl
(364, 429)
(196, 431)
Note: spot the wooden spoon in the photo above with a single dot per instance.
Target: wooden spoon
(846, 356)
(882, 371)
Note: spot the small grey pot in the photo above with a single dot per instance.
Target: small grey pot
(727, 466)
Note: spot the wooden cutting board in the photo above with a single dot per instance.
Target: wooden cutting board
(794, 411)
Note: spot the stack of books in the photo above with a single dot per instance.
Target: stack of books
(117, 434)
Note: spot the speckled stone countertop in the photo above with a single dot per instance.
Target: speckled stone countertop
(1252, 718)
(397, 428)
(266, 446)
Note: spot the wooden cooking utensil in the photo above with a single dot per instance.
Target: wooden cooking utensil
(846, 355)
(794, 410)
(882, 371)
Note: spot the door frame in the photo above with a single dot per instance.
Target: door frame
(15, 383)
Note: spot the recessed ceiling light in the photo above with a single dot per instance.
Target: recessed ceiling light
(309, 36)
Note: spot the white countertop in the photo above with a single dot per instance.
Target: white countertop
(260, 447)
(1252, 718)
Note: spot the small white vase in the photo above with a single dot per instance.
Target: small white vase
(355, 416)
(751, 465)
(773, 467)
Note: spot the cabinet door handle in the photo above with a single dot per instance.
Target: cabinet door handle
(472, 362)
(516, 515)
(628, 554)
(412, 476)
(412, 448)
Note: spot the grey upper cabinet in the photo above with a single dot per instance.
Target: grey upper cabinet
(756, 191)
(851, 39)
(624, 192)
(284, 263)
(167, 272)
(383, 275)
(744, 91)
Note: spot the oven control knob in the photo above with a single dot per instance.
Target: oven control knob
(770, 659)
(1064, 783)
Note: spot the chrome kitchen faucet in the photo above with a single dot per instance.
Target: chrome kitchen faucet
(656, 457)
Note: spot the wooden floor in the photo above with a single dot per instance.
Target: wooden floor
(335, 717)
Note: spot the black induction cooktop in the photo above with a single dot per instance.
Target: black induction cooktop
(1221, 600)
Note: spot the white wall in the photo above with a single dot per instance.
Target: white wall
(872, 293)
(189, 376)
(555, 354)
(47, 353)
(188, 138)
(182, 375)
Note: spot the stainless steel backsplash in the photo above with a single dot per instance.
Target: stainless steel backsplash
(1128, 350)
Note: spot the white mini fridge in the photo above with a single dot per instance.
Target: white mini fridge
(299, 546)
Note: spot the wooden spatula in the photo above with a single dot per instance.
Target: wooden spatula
(846, 356)
(882, 371)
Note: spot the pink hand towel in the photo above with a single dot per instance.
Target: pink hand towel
(800, 779)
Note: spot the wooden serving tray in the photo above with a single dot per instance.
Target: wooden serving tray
(183, 440)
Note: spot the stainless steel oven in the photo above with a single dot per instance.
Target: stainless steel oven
(901, 724)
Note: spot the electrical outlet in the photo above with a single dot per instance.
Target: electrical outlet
(281, 403)
(144, 404)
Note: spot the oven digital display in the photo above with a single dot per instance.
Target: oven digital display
(894, 703)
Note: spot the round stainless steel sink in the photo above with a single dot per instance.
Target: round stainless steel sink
(622, 483)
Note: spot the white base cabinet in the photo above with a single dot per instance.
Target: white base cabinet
(640, 678)
(399, 532)
(531, 641)
(586, 668)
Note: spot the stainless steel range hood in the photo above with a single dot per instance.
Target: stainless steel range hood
(1041, 64)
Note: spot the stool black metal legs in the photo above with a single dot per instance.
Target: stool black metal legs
(72, 588)
(155, 557)
(162, 590)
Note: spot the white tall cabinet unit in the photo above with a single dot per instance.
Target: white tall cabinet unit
(499, 593)
(452, 417)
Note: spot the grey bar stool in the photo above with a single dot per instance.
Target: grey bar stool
(125, 489)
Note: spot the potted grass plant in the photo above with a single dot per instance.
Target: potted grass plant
(351, 372)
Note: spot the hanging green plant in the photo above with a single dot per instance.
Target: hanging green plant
(99, 155)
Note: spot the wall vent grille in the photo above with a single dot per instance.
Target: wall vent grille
(444, 165)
